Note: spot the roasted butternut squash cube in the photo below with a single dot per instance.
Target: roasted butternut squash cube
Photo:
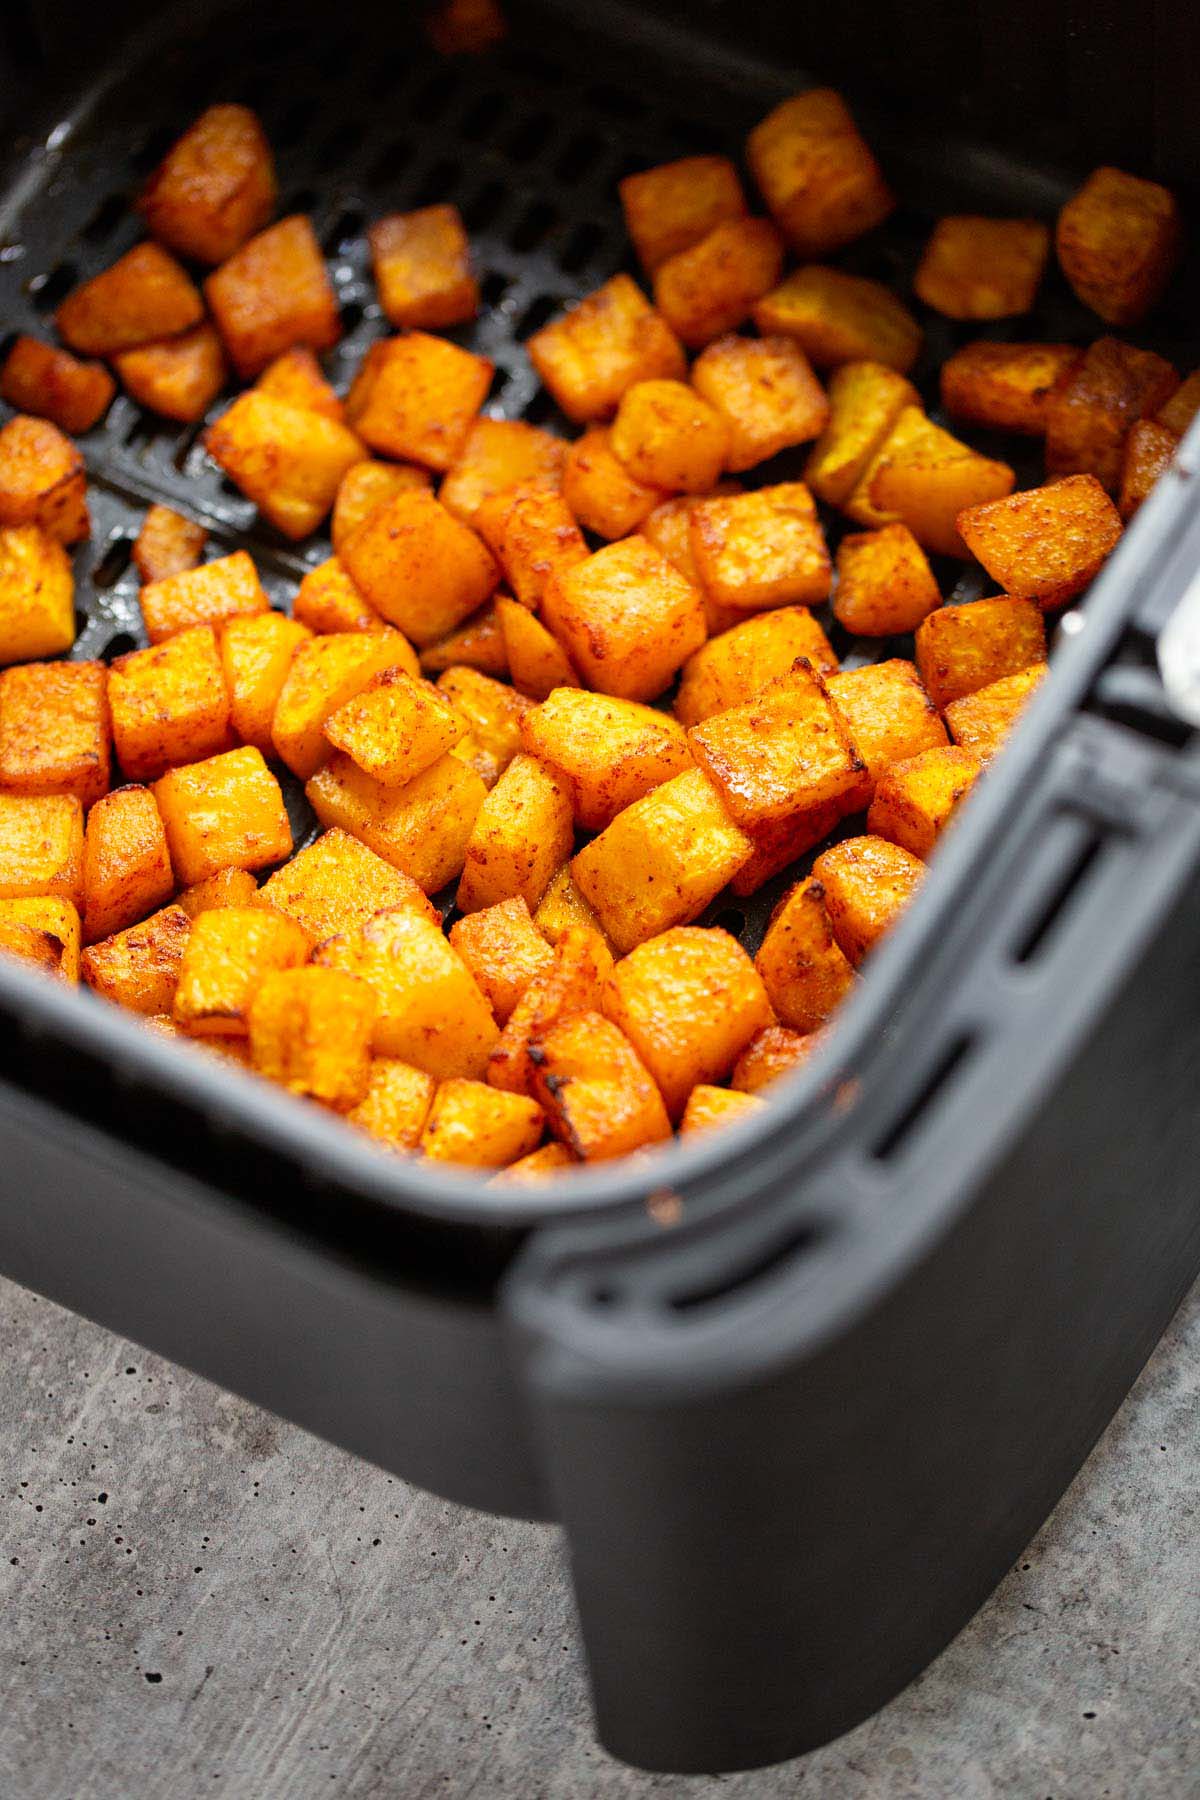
(981, 721)
(493, 712)
(596, 1092)
(542, 1164)
(573, 983)
(336, 884)
(772, 1053)
(52, 384)
(224, 813)
(416, 397)
(732, 668)
(422, 264)
(365, 487)
(607, 752)
(868, 883)
(689, 1001)
(273, 292)
(924, 477)
(522, 833)
(480, 1127)
(537, 662)
(477, 644)
(323, 674)
(396, 1104)
(419, 566)
(421, 828)
(143, 297)
(816, 172)
(328, 601)
(627, 619)
(167, 544)
(139, 968)
(711, 288)
(802, 966)
(1179, 411)
(564, 907)
(256, 654)
(310, 1030)
(765, 391)
(669, 437)
(37, 595)
(297, 377)
(41, 847)
(837, 318)
(225, 589)
(1090, 415)
(431, 1012)
(601, 492)
(661, 861)
(55, 735)
(126, 864)
(708, 1108)
(865, 400)
(214, 187)
(1006, 387)
(504, 951)
(672, 206)
(179, 377)
(227, 887)
(1046, 543)
(916, 800)
(978, 268)
(289, 460)
(590, 354)
(963, 648)
(42, 480)
(395, 727)
(888, 714)
(885, 585)
(778, 843)
(1149, 451)
(169, 704)
(669, 529)
(761, 549)
(44, 933)
(537, 536)
(228, 954)
(501, 455)
(1118, 241)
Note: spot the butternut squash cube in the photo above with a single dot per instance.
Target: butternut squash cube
(37, 595)
(224, 813)
(607, 752)
(711, 288)
(626, 618)
(214, 187)
(765, 391)
(669, 437)
(42, 932)
(1046, 543)
(416, 397)
(273, 292)
(924, 477)
(419, 566)
(289, 460)
(888, 714)
(573, 983)
(144, 296)
(542, 1164)
(1090, 415)
(431, 1012)
(762, 549)
(336, 884)
(522, 833)
(421, 828)
(310, 1030)
(227, 887)
(395, 727)
(961, 649)
(601, 492)
(297, 377)
(596, 1092)
(916, 799)
(323, 674)
(885, 585)
(537, 662)
(816, 172)
(328, 601)
(396, 1104)
(126, 864)
(500, 455)
(41, 847)
(802, 966)
(139, 968)
(537, 537)
(256, 654)
(977, 268)
(1118, 241)
(590, 354)
(981, 721)
(493, 712)
(732, 668)
(365, 487)
(778, 843)
(564, 907)
(504, 951)
(477, 644)
(52, 384)
(228, 954)
(422, 263)
(1149, 451)
(1179, 411)
(55, 735)
(865, 400)
(42, 480)
(709, 1108)
(672, 206)
(480, 1127)
(225, 589)
(669, 529)
(1006, 387)
(167, 544)
(772, 1053)
(868, 883)
(169, 704)
(661, 861)
(179, 377)
(836, 318)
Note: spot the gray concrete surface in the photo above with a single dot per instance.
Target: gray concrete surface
(200, 1600)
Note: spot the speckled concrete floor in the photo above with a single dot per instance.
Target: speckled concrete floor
(199, 1600)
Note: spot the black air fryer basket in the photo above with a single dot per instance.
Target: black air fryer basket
(799, 1394)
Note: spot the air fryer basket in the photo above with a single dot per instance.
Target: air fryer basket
(800, 1394)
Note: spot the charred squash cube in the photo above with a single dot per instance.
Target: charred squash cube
(1006, 387)
(224, 813)
(628, 620)
(421, 828)
(522, 833)
(837, 318)
(608, 752)
(963, 648)
(214, 187)
(1149, 451)
(916, 800)
(480, 1127)
(573, 983)
(297, 377)
(816, 172)
(395, 727)
(52, 384)
(44, 933)
(765, 391)
(592, 353)
(290, 461)
(272, 293)
(977, 268)
(310, 1031)
(41, 847)
(981, 721)
(143, 297)
(597, 1094)
(888, 713)
(167, 544)
(256, 654)
(228, 954)
(55, 734)
(761, 549)
(802, 966)
(924, 477)
(1046, 543)
(1091, 414)
(169, 704)
(504, 951)
(868, 883)
(884, 583)
(323, 674)
(337, 884)
(228, 588)
(500, 455)
(669, 437)
(365, 487)
(729, 670)
(537, 662)
(179, 377)
(865, 400)
(42, 480)
(1118, 240)
(416, 397)
(711, 288)
(671, 207)
(422, 264)
(126, 864)
(772, 1053)
(139, 968)
(602, 493)
(396, 1104)
(419, 566)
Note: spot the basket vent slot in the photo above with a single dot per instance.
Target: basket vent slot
(771, 1260)
(891, 1142)
(1057, 902)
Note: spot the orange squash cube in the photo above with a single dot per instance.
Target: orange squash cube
(336, 884)
(977, 268)
(607, 752)
(52, 384)
(671, 207)
(669, 437)
(42, 932)
(328, 601)
(590, 354)
(224, 813)
(297, 377)
(669, 529)
(395, 727)
(765, 391)
(661, 861)
(214, 187)
(396, 1104)
(228, 954)
(537, 536)
(626, 618)
(422, 828)
(865, 400)
(1006, 387)
(537, 662)
(126, 864)
(602, 493)
(179, 377)
(597, 1094)
(732, 668)
(963, 648)
(573, 983)
(493, 713)
(563, 908)
(709, 1108)
(500, 455)
(778, 843)
(816, 172)
(522, 833)
(139, 968)
(837, 318)
(144, 296)
(477, 644)
(803, 968)
(888, 713)
(323, 674)
(1149, 451)
(419, 566)
(1091, 414)
(41, 847)
(272, 293)
(868, 883)
(365, 487)
(479, 1127)
(416, 397)
(761, 549)
(225, 589)
(55, 735)
(542, 1164)
(981, 721)
(772, 1053)
(711, 288)
(504, 951)
(422, 264)
(310, 1030)
(227, 887)
(1118, 241)
(289, 460)
(885, 585)
(916, 800)
(37, 595)
(256, 654)
(42, 480)
(1179, 411)
(169, 704)
(167, 544)
(924, 478)
(1046, 543)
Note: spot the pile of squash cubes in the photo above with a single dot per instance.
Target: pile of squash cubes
(580, 677)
